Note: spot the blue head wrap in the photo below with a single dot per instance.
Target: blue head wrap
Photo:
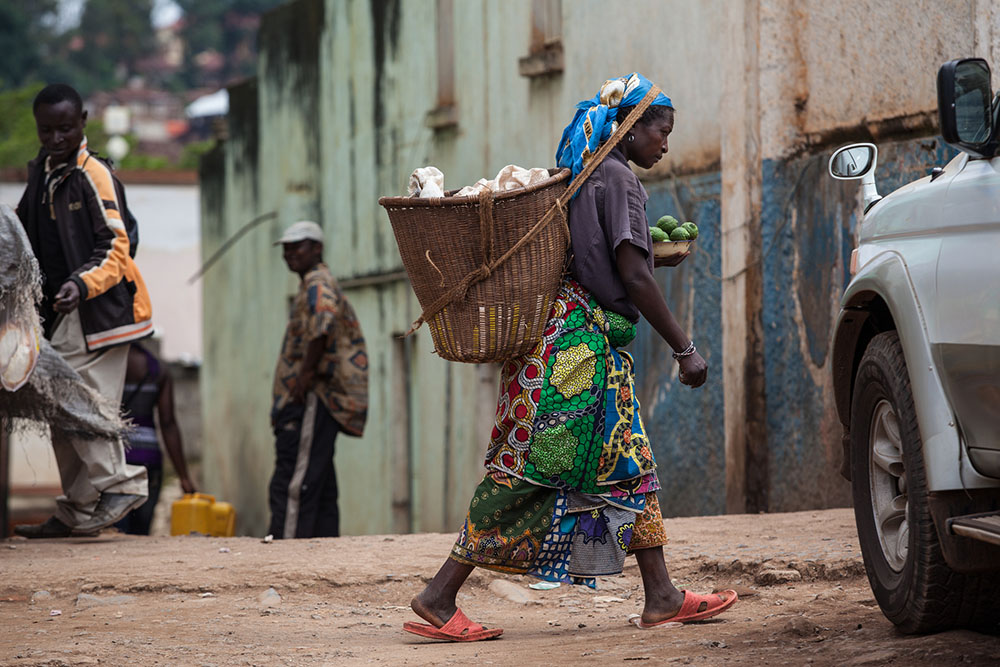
(595, 119)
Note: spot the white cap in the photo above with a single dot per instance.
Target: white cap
(301, 231)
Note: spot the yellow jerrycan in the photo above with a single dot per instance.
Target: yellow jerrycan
(223, 519)
(199, 513)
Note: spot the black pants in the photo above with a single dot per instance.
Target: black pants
(303, 489)
(139, 520)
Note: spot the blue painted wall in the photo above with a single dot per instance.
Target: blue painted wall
(807, 221)
(686, 425)
(808, 225)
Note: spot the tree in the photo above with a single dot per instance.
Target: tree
(115, 35)
(220, 26)
(24, 33)
(18, 140)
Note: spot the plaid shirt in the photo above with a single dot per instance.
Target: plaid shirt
(320, 309)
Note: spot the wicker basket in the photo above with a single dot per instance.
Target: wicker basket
(486, 270)
(448, 245)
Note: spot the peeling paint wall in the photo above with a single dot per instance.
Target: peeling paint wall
(233, 412)
(839, 65)
(336, 118)
(686, 425)
(809, 230)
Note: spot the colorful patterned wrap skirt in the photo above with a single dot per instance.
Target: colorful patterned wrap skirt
(571, 482)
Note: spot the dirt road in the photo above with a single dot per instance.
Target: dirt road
(117, 600)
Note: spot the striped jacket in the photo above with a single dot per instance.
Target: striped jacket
(80, 199)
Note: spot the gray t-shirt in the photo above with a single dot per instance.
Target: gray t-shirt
(610, 208)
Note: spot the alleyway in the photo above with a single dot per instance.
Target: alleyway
(117, 600)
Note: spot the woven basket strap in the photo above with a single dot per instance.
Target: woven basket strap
(459, 290)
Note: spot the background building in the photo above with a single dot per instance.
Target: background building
(351, 96)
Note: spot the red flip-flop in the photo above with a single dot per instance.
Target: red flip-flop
(691, 608)
(458, 629)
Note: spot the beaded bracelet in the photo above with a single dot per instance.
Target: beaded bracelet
(688, 351)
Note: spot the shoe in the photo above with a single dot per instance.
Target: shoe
(110, 508)
(52, 527)
(458, 629)
(695, 608)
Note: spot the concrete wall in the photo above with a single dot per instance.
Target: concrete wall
(168, 255)
(336, 118)
(809, 227)
(825, 74)
(834, 67)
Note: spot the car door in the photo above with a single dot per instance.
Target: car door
(967, 349)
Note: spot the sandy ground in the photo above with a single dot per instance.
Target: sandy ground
(121, 600)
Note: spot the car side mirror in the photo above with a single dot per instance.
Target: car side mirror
(965, 106)
(853, 161)
(857, 161)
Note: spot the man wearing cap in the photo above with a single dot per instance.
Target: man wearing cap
(320, 389)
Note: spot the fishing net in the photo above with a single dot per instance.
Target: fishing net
(35, 383)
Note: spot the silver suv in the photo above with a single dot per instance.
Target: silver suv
(916, 366)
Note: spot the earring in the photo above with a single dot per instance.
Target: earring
(631, 138)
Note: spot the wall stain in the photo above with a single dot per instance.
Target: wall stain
(352, 124)
(897, 128)
(685, 426)
(212, 183)
(815, 239)
(289, 41)
(243, 145)
(385, 38)
(385, 16)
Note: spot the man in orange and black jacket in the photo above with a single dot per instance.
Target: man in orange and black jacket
(94, 303)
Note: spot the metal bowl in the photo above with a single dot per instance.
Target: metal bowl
(668, 249)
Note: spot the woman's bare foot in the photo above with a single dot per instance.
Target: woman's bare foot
(662, 607)
(434, 612)
(436, 603)
(663, 600)
(700, 607)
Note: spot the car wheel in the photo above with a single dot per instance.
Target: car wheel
(908, 575)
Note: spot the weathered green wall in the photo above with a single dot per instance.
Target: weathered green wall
(235, 388)
(336, 118)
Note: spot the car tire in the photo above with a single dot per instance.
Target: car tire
(909, 577)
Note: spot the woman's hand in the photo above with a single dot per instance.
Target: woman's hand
(673, 260)
(694, 370)
(644, 292)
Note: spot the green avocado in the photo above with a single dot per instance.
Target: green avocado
(692, 230)
(667, 223)
(679, 234)
(658, 234)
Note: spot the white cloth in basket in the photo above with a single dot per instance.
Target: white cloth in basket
(510, 177)
(429, 181)
(426, 182)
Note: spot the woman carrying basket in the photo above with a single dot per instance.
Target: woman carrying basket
(571, 483)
